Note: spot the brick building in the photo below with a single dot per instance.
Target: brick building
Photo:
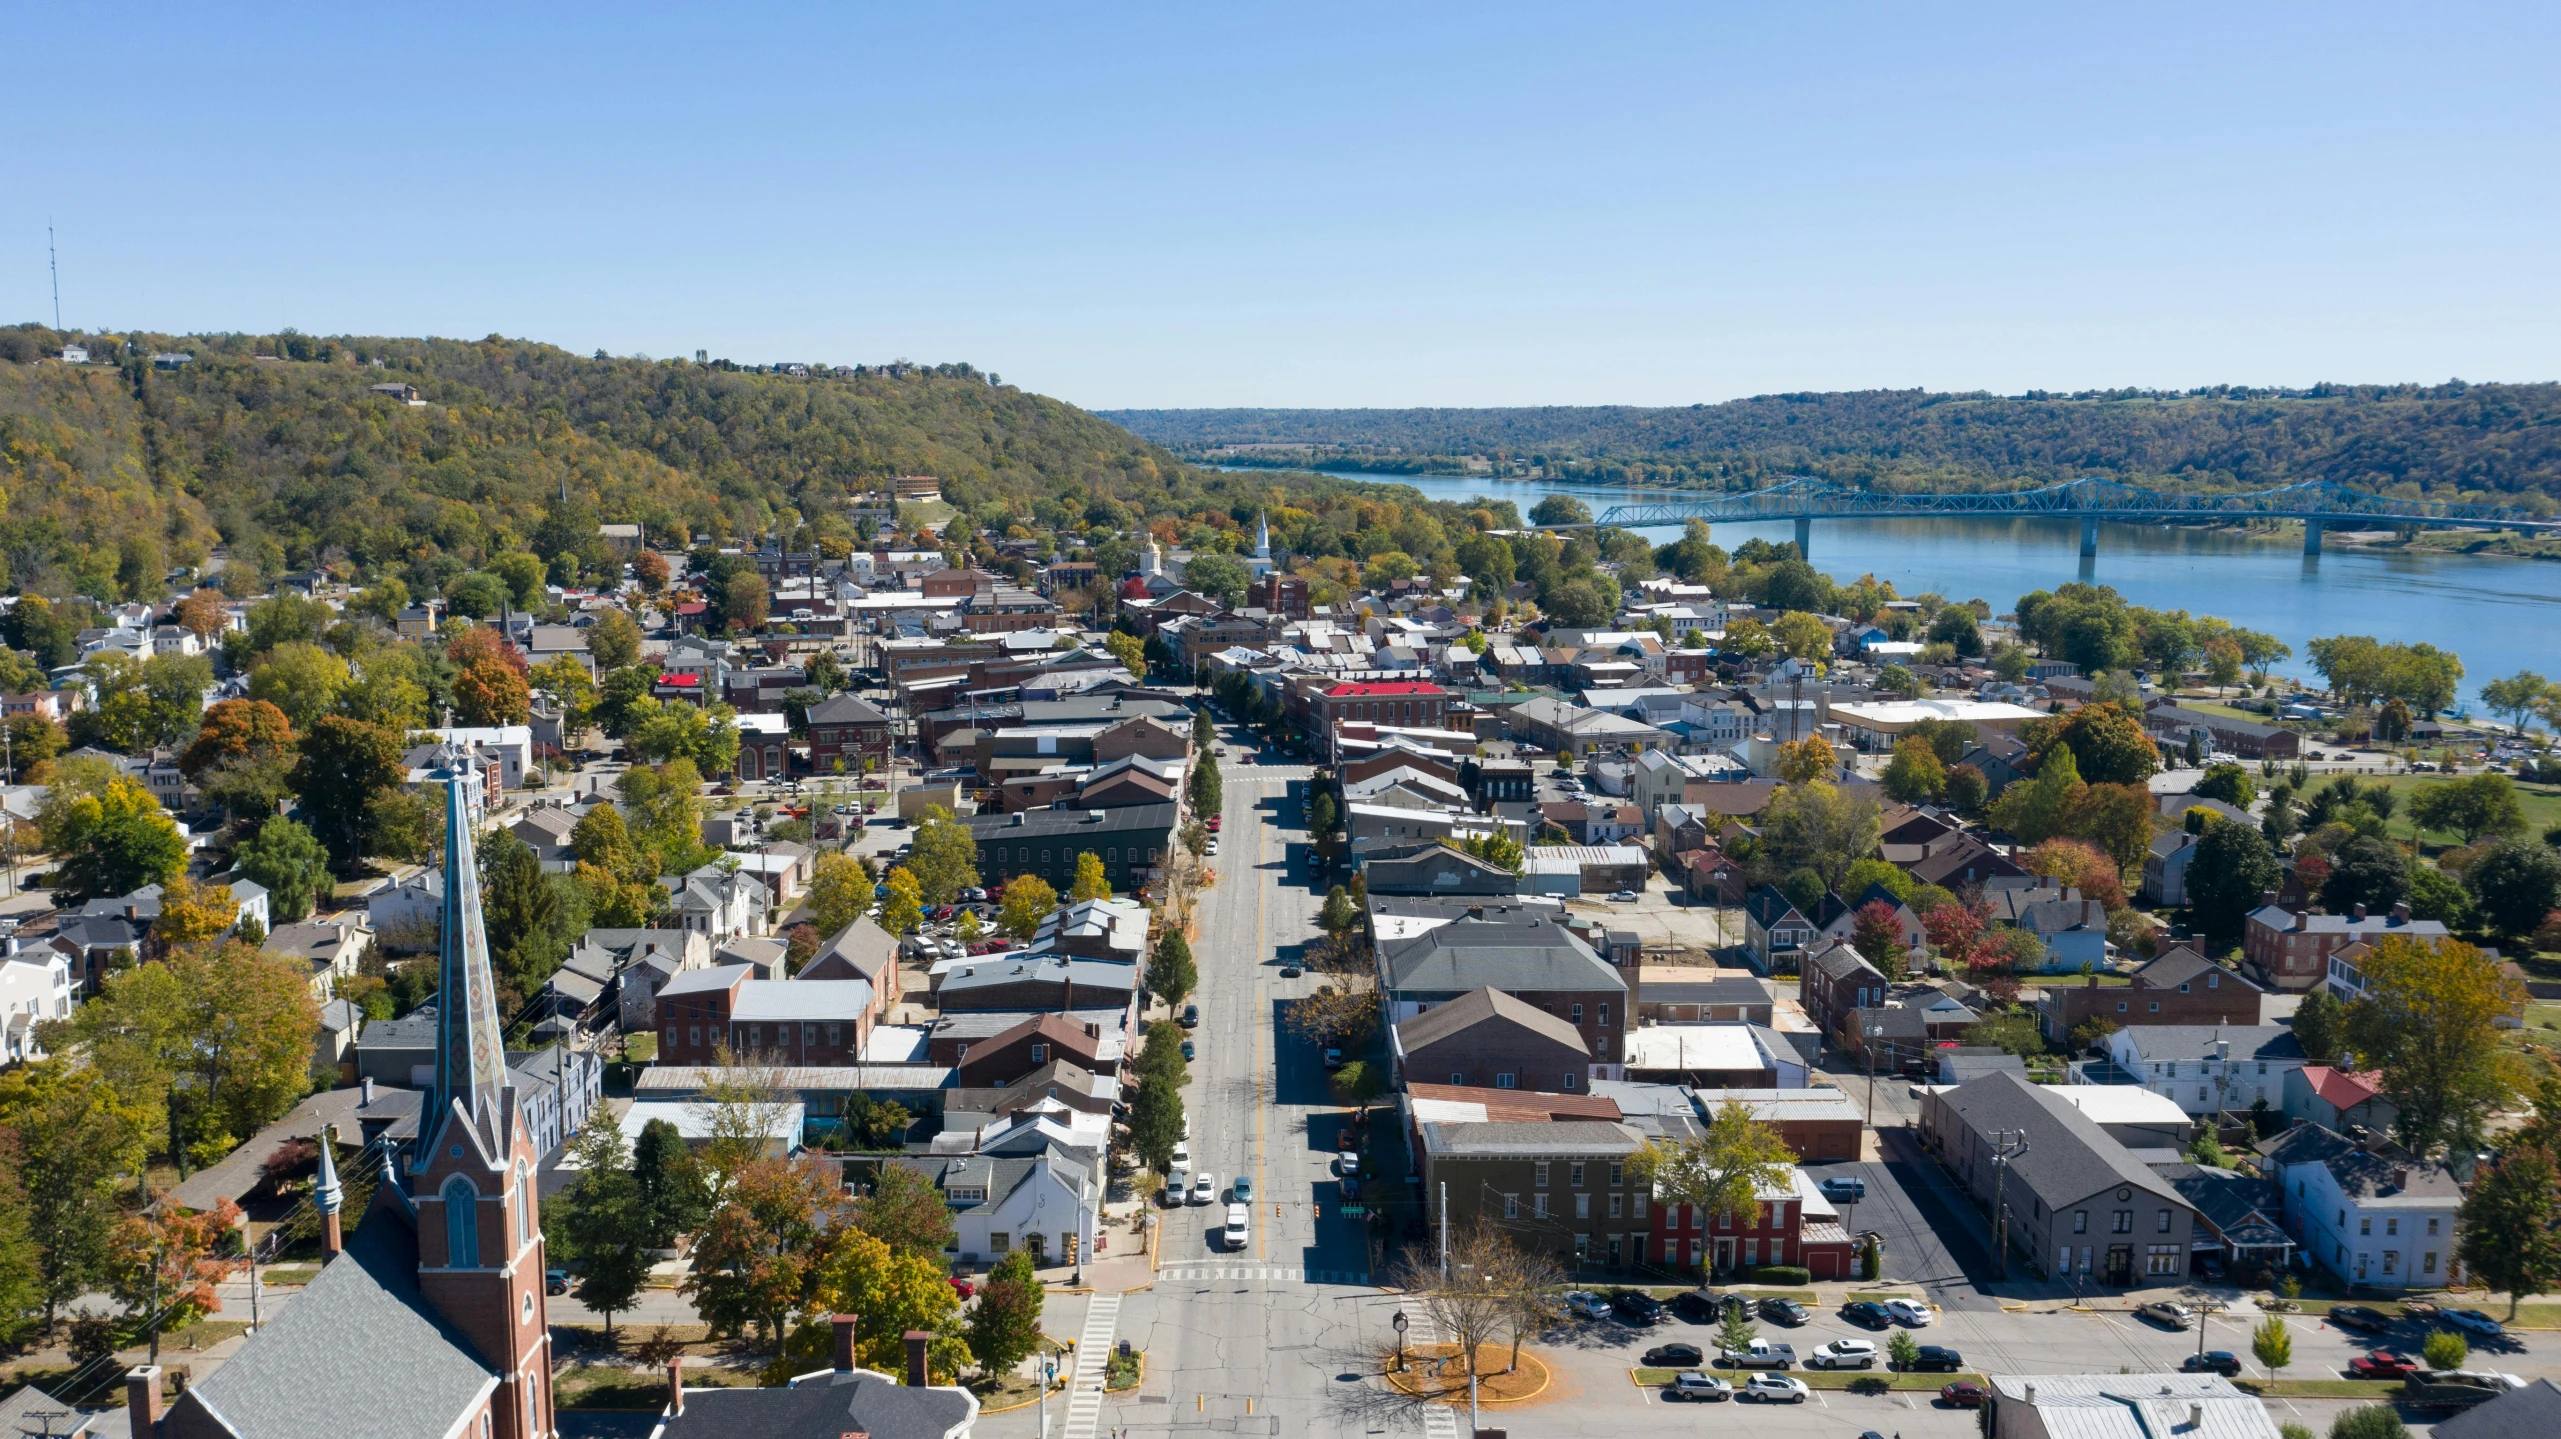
(2291, 949)
(2181, 986)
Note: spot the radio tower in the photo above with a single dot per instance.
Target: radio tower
(55, 265)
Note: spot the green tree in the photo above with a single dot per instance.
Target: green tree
(2233, 866)
(1914, 776)
(1156, 1121)
(1820, 827)
(2429, 1021)
(301, 679)
(75, 1136)
(2475, 807)
(289, 862)
(2518, 697)
(110, 834)
(1902, 1351)
(1735, 1333)
(1340, 913)
(906, 1212)
(607, 1220)
(614, 641)
(903, 908)
(1218, 577)
(673, 1196)
(523, 913)
(524, 576)
(1967, 789)
(1004, 1327)
(943, 856)
(1207, 791)
(1173, 974)
(2367, 871)
(2272, 1344)
(2229, 783)
(214, 1042)
(2516, 884)
(2035, 809)
(343, 765)
(2320, 1026)
(2374, 1421)
(2511, 1225)
(2445, 1349)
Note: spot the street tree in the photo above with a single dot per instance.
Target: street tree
(1173, 973)
(1004, 1325)
(754, 1259)
(674, 1196)
(1028, 902)
(1091, 883)
(2272, 1344)
(943, 857)
(76, 1136)
(1724, 1170)
(891, 1291)
(1156, 1121)
(2429, 1022)
(606, 1220)
(2511, 1224)
(903, 1210)
(1475, 1299)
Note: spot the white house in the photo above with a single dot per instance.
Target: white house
(721, 905)
(2387, 1223)
(416, 902)
(1002, 1204)
(512, 746)
(2207, 1068)
(35, 985)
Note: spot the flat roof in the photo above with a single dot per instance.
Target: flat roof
(2121, 1104)
(1693, 1046)
(1904, 712)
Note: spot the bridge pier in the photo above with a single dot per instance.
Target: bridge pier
(1804, 537)
(2311, 537)
(2090, 537)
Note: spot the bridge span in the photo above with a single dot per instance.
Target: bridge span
(2317, 503)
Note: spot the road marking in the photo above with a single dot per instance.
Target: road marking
(1262, 896)
(1093, 1351)
(1440, 1422)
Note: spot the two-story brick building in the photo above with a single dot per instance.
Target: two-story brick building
(1433, 951)
(1835, 981)
(2290, 950)
(2179, 986)
(1407, 703)
(1792, 1224)
(846, 735)
(706, 1013)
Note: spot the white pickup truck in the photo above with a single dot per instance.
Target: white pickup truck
(1760, 1354)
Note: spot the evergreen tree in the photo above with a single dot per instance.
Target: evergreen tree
(1173, 975)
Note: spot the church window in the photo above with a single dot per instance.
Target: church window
(524, 1209)
(462, 1224)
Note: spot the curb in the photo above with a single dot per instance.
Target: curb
(1547, 1377)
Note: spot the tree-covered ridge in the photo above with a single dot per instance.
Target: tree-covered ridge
(2447, 441)
(278, 446)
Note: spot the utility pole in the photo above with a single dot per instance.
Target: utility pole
(2002, 1156)
(1444, 1233)
(53, 264)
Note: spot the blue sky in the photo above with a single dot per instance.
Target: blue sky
(1313, 205)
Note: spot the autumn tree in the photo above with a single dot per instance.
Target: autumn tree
(1091, 882)
(168, 1261)
(191, 913)
(891, 1291)
(1803, 761)
(1723, 1170)
(2429, 1021)
(904, 1210)
(614, 641)
(2080, 865)
(903, 908)
(1877, 934)
(234, 730)
(943, 856)
(111, 835)
(755, 1259)
(839, 892)
(1914, 775)
(214, 1041)
(1028, 902)
(1004, 1325)
(2107, 742)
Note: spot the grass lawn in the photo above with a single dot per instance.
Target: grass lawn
(641, 1047)
(288, 1276)
(2378, 1389)
(2542, 804)
(2074, 981)
(204, 1333)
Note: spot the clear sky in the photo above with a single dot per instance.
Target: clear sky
(1212, 204)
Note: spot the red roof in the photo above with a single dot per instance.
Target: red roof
(2340, 1089)
(680, 681)
(692, 607)
(1388, 689)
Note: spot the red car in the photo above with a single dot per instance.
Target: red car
(1214, 823)
(2381, 1366)
(967, 1289)
(1963, 1395)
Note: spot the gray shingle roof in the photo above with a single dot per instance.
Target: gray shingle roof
(1069, 823)
(2069, 1157)
(2533, 1412)
(1517, 954)
(2361, 1174)
(855, 1402)
(360, 1332)
(32, 1412)
(1481, 1006)
(1495, 1139)
(2170, 1042)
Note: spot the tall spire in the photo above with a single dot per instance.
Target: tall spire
(1263, 537)
(471, 1059)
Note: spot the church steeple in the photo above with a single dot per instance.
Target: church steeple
(471, 1057)
(1263, 537)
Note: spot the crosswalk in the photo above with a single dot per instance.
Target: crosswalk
(1440, 1421)
(1093, 1351)
(1188, 1274)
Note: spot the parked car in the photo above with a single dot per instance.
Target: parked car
(1673, 1356)
(1583, 1304)
(1292, 971)
(2381, 1366)
(1963, 1394)
(2472, 1321)
(1783, 1311)
(1637, 1307)
(1844, 1189)
(965, 1288)
(1183, 1151)
(1697, 1387)
(1776, 1389)
(1696, 1306)
(2167, 1315)
(1204, 1187)
(1760, 1354)
(1843, 1354)
(1244, 1189)
(1910, 1312)
(1624, 896)
(1190, 1016)
(555, 1281)
(1866, 1313)
(2358, 1319)
(2213, 1361)
(1937, 1359)
(1190, 1051)
(1333, 1059)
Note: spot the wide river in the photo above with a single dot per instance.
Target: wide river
(2500, 614)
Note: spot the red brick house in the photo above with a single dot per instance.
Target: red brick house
(1795, 1225)
(1416, 704)
(847, 731)
(2291, 950)
(998, 1061)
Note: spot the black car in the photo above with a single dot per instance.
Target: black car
(1783, 1311)
(1190, 1016)
(2217, 1361)
(1867, 1314)
(1937, 1358)
(1697, 1306)
(2359, 1319)
(1637, 1307)
(1673, 1356)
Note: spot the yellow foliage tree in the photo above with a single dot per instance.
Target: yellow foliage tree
(1091, 883)
(1810, 758)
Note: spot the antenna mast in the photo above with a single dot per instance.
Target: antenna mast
(54, 264)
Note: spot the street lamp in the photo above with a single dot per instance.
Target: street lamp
(1398, 1321)
(1048, 1378)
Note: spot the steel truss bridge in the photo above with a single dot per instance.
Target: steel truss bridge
(2317, 503)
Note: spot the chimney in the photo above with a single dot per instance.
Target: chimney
(364, 1093)
(2400, 1176)
(2302, 920)
(142, 1400)
(1476, 911)
(917, 1339)
(675, 1387)
(2196, 1414)
(2356, 912)
(2094, 979)
(2031, 1391)
(2400, 911)
(844, 1326)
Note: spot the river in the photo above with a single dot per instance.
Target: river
(2499, 613)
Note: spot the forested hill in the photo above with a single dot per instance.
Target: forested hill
(277, 444)
(2492, 441)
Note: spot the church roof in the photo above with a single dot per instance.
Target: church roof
(471, 1060)
(360, 1354)
(827, 1405)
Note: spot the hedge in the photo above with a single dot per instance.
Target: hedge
(1794, 1275)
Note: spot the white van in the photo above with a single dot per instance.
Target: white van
(1237, 1217)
